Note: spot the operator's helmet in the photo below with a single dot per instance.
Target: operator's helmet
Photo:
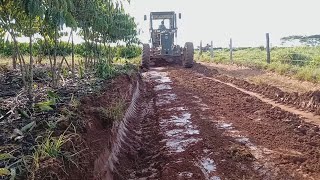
(162, 22)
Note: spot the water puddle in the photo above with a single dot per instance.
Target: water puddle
(179, 132)
(186, 174)
(177, 109)
(162, 102)
(164, 80)
(222, 125)
(243, 140)
(182, 120)
(174, 132)
(178, 129)
(215, 178)
(208, 167)
(161, 87)
(204, 108)
(166, 98)
(178, 144)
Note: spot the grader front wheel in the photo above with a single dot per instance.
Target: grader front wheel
(145, 56)
(188, 55)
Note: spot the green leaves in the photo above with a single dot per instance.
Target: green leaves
(5, 156)
(70, 21)
(48, 104)
(28, 127)
(4, 172)
(34, 8)
(45, 106)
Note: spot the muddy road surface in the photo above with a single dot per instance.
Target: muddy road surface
(195, 127)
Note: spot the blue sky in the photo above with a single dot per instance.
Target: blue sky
(246, 21)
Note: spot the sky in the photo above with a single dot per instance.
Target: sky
(245, 21)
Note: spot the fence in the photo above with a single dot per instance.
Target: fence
(293, 55)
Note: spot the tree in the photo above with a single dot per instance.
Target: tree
(313, 40)
(100, 22)
(33, 12)
(57, 15)
(11, 20)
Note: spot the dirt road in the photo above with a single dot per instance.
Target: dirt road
(199, 128)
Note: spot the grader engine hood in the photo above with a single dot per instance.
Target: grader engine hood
(166, 43)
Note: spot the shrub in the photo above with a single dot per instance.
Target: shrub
(84, 49)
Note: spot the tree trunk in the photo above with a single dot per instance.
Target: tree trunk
(97, 54)
(72, 54)
(14, 59)
(54, 73)
(86, 49)
(47, 47)
(20, 58)
(30, 68)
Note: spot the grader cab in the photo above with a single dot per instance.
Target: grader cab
(163, 42)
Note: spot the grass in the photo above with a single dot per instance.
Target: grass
(8, 60)
(117, 111)
(135, 61)
(45, 60)
(113, 113)
(302, 63)
(50, 147)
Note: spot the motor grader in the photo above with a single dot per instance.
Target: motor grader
(163, 44)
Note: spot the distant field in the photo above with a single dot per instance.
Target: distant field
(302, 63)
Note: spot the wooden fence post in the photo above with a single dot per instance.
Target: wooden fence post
(268, 48)
(211, 49)
(201, 47)
(231, 49)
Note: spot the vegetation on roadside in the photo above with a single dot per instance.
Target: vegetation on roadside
(302, 63)
(39, 99)
(64, 49)
(99, 23)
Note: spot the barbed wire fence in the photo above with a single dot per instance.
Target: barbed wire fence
(293, 57)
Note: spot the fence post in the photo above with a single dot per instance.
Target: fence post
(211, 49)
(231, 49)
(268, 48)
(201, 47)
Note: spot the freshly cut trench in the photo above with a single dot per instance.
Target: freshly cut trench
(181, 135)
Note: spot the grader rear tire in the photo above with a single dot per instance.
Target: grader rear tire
(145, 56)
(188, 55)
